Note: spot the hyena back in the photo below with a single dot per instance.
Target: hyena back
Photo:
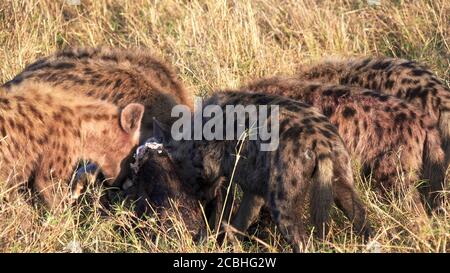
(119, 76)
(385, 134)
(310, 158)
(402, 78)
(44, 132)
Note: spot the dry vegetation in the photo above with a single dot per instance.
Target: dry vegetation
(216, 44)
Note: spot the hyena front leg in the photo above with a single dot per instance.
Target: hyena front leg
(392, 177)
(248, 211)
(222, 207)
(50, 188)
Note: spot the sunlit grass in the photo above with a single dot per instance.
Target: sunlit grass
(221, 44)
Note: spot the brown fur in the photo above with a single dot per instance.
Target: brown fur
(156, 187)
(311, 158)
(380, 131)
(405, 79)
(44, 132)
(119, 76)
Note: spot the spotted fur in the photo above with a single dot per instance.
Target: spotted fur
(44, 132)
(119, 76)
(311, 158)
(385, 134)
(156, 188)
(405, 79)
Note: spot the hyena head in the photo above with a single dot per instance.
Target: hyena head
(113, 144)
(156, 187)
(182, 153)
(190, 160)
(198, 174)
(154, 178)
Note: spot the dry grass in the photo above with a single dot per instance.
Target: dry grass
(216, 44)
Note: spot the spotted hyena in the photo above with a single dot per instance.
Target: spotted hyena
(311, 157)
(156, 188)
(119, 76)
(402, 78)
(44, 132)
(385, 134)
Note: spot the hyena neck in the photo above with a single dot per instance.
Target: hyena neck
(96, 124)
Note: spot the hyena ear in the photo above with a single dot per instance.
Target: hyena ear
(130, 118)
(161, 131)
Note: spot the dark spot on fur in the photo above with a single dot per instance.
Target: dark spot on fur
(294, 182)
(328, 92)
(331, 128)
(4, 101)
(409, 64)
(326, 133)
(310, 130)
(348, 112)
(381, 65)
(400, 118)
(384, 98)
(314, 144)
(323, 156)
(341, 93)
(293, 133)
(378, 130)
(109, 58)
(365, 125)
(420, 72)
(363, 64)
(64, 65)
(118, 83)
(327, 111)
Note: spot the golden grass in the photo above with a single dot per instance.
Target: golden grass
(222, 44)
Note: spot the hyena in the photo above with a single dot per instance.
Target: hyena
(385, 134)
(44, 132)
(119, 76)
(156, 187)
(402, 78)
(311, 157)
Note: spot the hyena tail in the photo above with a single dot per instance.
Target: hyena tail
(444, 128)
(434, 168)
(321, 194)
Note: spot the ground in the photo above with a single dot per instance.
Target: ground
(223, 44)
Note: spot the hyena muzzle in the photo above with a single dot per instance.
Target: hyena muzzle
(156, 188)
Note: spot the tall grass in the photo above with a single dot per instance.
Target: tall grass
(218, 44)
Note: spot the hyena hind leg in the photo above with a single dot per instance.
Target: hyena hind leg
(248, 211)
(288, 218)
